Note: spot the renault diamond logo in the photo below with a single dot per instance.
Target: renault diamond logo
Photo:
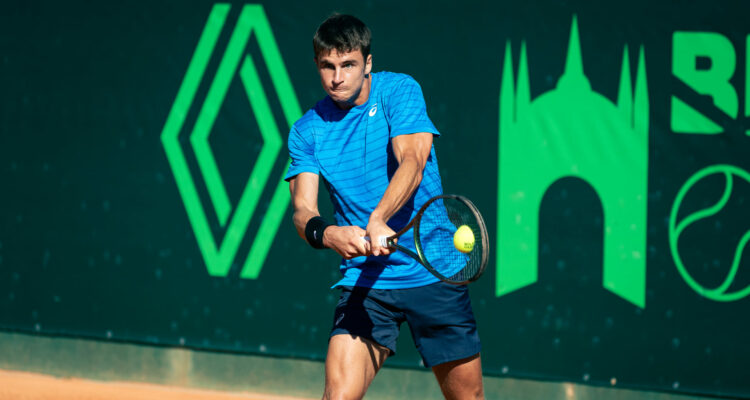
(219, 256)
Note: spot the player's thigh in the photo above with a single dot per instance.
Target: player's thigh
(442, 323)
(351, 365)
(461, 379)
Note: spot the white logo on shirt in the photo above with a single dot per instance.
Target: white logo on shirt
(374, 109)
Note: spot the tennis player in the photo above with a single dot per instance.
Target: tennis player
(370, 140)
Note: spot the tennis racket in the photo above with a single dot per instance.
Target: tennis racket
(450, 239)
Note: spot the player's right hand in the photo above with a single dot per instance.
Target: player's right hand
(348, 241)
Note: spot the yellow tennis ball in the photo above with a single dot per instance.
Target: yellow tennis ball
(463, 239)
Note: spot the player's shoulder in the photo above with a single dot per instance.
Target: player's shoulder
(305, 120)
(312, 117)
(395, 87)
(391, 80)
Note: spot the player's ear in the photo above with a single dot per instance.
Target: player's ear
(368, 64)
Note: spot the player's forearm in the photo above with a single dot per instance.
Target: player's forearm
(405, 181)
(304, 193)
(301, 217)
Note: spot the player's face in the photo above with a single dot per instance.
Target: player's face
(343, 76)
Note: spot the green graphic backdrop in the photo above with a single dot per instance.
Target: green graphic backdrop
(141, 150)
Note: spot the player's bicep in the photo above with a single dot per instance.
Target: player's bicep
(415, 146)
(304, 191)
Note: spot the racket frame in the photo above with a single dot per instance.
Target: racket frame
(419, 256)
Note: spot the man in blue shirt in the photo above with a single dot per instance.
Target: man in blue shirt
(370, 140)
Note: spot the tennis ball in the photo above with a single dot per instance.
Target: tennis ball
(463, 239)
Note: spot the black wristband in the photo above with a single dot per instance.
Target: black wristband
(314, 231)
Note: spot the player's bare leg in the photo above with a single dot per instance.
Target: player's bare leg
(461, 379)
(351, 365)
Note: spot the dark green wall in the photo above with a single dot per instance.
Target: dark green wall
(95, 240)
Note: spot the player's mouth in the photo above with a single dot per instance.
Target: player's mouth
(338, 92)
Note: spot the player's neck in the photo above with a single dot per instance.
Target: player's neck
(360, 98)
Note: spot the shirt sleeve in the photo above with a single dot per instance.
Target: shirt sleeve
(407, 112)
(302, 153)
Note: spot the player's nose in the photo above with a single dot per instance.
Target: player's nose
(337, 77)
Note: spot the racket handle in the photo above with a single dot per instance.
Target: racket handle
(383, 240)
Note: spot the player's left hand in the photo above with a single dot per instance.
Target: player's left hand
(377, 228)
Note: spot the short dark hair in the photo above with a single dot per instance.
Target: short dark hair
(344, 33)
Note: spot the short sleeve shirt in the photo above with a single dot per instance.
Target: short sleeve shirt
(351, 150)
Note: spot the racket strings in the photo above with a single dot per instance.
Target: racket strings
(437, 227)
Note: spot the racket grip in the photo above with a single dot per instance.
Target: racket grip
(383, 240)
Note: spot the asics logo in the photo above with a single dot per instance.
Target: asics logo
(373, 110)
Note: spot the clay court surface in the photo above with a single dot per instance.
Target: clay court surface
(30, 386)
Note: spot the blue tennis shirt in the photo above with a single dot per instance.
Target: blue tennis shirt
(351, 151)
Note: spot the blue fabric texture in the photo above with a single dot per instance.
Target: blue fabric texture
(439, 317)
(351, 151)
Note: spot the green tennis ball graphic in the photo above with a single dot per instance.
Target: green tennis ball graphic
(676, 228)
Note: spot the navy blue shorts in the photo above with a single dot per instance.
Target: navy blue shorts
(439, 316)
